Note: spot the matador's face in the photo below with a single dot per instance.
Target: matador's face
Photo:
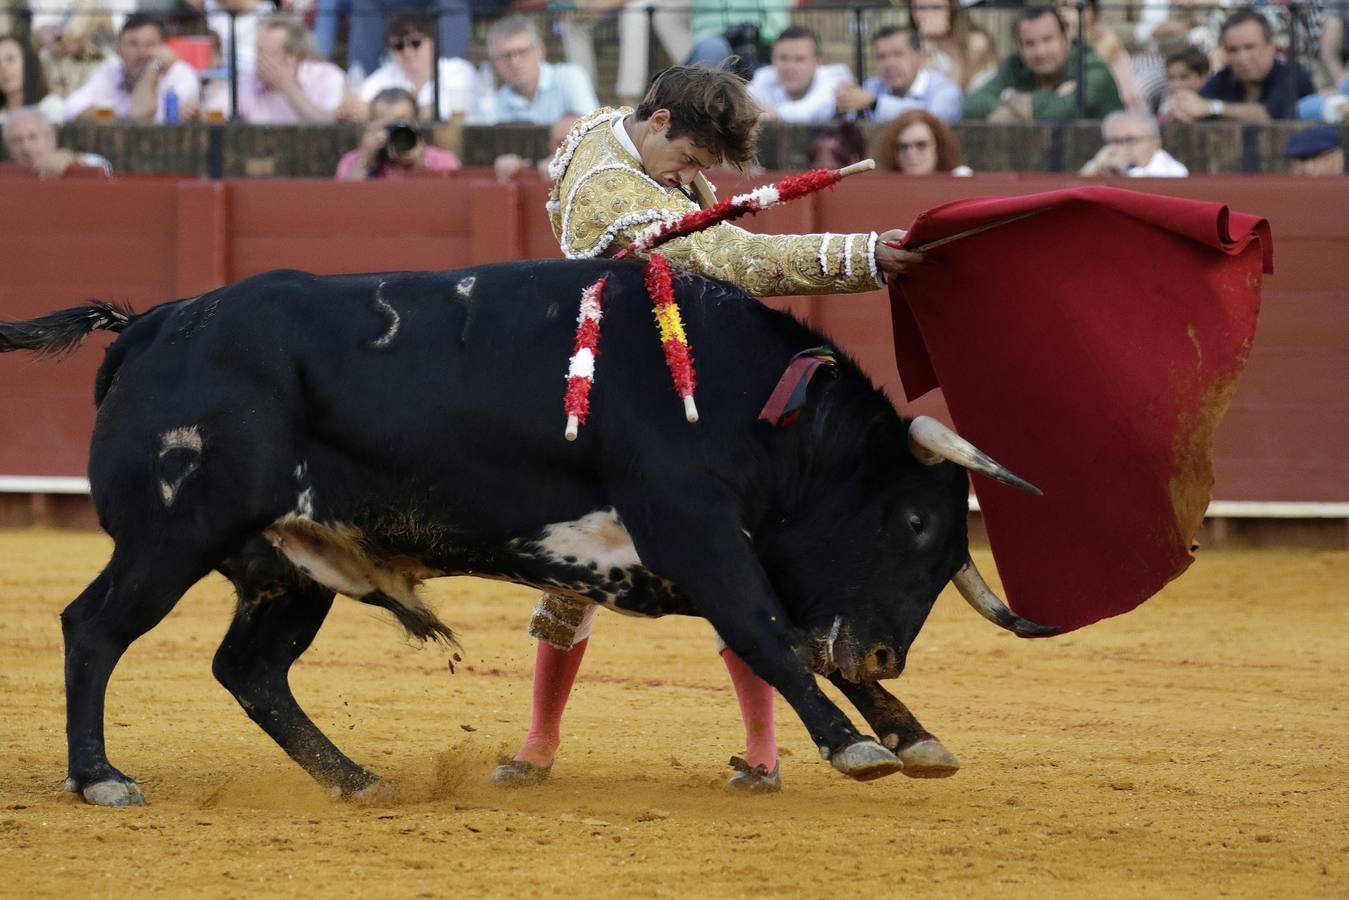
(674, 163)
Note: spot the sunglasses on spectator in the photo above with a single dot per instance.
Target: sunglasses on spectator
(1127, 140)
(414, 43)
(915, 146)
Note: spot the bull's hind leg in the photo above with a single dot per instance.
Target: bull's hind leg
(131, 596)
(272, 627)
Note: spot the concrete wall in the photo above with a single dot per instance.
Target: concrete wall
(147, 241)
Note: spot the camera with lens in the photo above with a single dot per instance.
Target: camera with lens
(748, 51)
(404, 136)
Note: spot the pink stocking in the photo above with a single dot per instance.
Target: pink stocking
(756, 709)
(554, 674)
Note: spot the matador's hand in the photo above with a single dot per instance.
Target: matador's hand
(892, 261)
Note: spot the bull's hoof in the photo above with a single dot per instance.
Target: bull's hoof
(109, 793)
(928, 759)
(377, 793)
(866, 761)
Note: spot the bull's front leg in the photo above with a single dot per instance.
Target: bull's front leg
(769, 652)
(922, 754)
(726, 584)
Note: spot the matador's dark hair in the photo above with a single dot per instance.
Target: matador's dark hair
(711, 106)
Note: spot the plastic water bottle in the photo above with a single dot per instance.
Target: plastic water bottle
(170, 106)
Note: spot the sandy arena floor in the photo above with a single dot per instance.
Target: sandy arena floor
(1195, 748)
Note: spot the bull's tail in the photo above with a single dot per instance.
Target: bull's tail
(61, 333)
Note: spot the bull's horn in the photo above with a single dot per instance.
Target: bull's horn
(979, 595)
(930, 442)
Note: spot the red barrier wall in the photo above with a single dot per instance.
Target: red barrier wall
(148, 241)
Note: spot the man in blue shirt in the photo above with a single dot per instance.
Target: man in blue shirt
(1255, 87)
(532, 89)
(902, 82)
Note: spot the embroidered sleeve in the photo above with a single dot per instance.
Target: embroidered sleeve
(771, 265)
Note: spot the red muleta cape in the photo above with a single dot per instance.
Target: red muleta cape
(1092, 348)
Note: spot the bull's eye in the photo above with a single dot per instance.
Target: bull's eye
(916, 524)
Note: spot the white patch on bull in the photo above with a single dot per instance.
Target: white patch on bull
(304, 504)
(597, 537)
(394, 319)
(832, 639)
(186, 438)
(464, 286)
(301, 471)
(335, 557)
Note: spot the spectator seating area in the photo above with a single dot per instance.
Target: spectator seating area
(1134, 40)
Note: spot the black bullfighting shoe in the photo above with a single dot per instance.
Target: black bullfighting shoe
(754, 779)
(518, 773)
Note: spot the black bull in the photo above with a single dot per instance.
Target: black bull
(309, 435)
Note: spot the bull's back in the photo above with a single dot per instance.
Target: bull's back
(441, 377)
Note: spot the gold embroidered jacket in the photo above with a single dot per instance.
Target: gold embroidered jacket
(601, 199)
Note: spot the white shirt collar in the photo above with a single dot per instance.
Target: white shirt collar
(616, 123)
(920, 83)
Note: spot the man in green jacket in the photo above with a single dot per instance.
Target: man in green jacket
(1040, 80)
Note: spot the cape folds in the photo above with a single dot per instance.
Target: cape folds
(1092, 348)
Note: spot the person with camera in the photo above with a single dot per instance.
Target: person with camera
(393, 145)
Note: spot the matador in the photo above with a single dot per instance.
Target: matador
(618, 171)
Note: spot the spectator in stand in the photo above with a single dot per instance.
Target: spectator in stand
(1133, 147)
(1186, 70)
(1334, 49)
(393, 146)
(1255, 85)
(532, 90)
(289, 86)
(903, 82)
(70, 36)
(1332, 104)
(133, 85)
(743, 29)
(411, 51)
(955, 46)
(54, 20)
(510, 166)
(366, 37)
(1316, 151)
(797, 88)
(1106, 45)
(1039, 81)
(30, 142)
(670, 21)
(1163, 25)
(837, 146)
(327, 19)
(919, 143)
(22, 82)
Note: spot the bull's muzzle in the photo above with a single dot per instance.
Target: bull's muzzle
(882, 662)
(838, 649)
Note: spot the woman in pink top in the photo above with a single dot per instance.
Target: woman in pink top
(393, 146)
